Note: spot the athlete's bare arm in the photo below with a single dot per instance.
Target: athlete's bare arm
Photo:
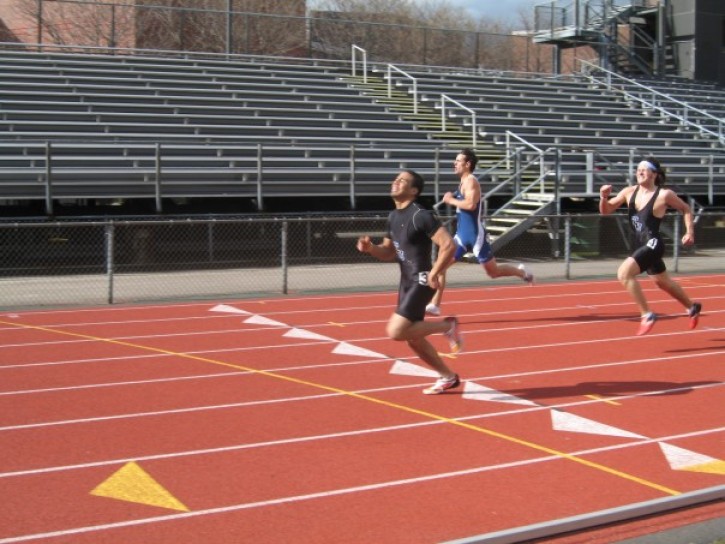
(471, 190)
(608, 205)
(384, 251)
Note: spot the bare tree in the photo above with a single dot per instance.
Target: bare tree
(271, 27)
(424, 32)
(100, 24)
(401, 31)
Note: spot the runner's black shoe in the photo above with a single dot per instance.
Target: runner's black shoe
(694, 314)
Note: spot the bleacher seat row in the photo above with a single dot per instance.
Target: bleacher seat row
(94, 126)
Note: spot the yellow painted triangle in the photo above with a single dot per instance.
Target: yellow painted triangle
(133, 484)
(713, 467)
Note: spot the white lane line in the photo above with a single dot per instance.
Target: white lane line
(322, 494)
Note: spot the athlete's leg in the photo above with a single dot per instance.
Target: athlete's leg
(627, 276)
(495, 270)
(672, 288)
(403, 329)
(429, 355)
(414, 333)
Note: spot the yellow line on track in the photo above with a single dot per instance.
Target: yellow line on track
(597, 397)
(409, 409)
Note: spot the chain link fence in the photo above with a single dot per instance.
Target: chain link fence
(214, 27)
(126, 261)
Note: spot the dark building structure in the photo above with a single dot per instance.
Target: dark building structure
(698, 38)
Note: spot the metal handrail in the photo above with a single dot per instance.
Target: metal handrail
(686, 108)
(515, 136)
(445, 97)
(515, 176)
(392, 68)
(364, 62)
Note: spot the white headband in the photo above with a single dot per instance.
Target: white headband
(649, 165)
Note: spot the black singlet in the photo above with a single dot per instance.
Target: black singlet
(648, 244)
(410, 229)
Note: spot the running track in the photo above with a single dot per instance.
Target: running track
(297, 420)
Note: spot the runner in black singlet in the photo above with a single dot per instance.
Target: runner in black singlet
(647, 203)
(412, 231)
(650, 248)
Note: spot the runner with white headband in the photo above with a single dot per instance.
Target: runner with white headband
(647, 203)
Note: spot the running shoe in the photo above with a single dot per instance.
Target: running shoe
(454, 335)
(432, 309)
(648, 321)
(694, 314)
(528, 276)
(443, 384)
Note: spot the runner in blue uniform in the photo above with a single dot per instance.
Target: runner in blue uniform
(412, 231)
(647, 203)
(470, 232)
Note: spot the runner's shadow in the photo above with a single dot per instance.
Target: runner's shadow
(696, 349)
(608, 389)
(582, 318)
(566, 319)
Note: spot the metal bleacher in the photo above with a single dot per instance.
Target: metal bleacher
(138, 127)
(576, 116)
(85, 126)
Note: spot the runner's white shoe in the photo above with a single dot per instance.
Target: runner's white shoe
(443, 384)
(454, 335)
(528, 276)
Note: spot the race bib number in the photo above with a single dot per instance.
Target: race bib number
(423, 278)
(652, 243)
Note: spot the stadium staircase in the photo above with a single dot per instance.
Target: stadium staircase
(619, 31)
(508, 221)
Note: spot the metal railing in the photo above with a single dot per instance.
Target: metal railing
(58, 263)
(654, 100)
(50, 172)
(389, 76)
(364, 54)
(474, 130)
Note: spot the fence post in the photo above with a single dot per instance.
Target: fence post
(437, 175)
(711, 180)
(48, 179)
(567, 247)
(109, 258)
(353, 203)
(260, 203)
(229, 33)
(283, 256)
(210, 240)
(39, 26)
(157, 184)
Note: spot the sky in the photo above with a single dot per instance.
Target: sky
(503, 10)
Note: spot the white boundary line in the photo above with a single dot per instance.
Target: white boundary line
(330, 493)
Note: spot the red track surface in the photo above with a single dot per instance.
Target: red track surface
(284, 423)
